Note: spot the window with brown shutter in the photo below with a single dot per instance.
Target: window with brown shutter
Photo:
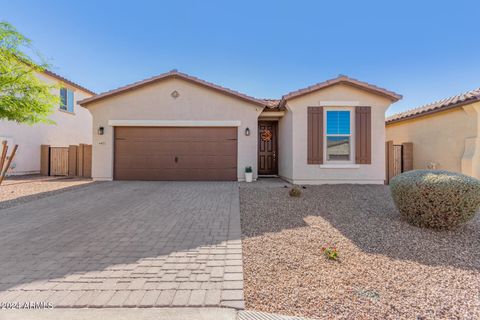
(315, 135)
(363, 135)
(338, 135)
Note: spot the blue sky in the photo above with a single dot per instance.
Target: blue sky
(424, 50)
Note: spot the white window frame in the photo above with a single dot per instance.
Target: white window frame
(351, 135)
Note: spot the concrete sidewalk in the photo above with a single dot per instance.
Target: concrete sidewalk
(121, 314)
(141, 314)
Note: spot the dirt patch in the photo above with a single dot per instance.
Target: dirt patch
(21, 189)
(388, 269)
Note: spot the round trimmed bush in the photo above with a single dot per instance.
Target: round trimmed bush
(436, 198)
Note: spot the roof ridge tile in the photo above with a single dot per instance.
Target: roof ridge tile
(172, 73)
(343, 78)
(63, 79)
(436, 106)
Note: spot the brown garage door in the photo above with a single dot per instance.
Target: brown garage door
(166, 153)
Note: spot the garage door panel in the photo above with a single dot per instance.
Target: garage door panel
(175, 134)
(176, 139)
(161, 153)
(159, 161)
(219, 148)
(198, 162)
(195, 147)
(176, 148)
(178, 174)
(126, 162)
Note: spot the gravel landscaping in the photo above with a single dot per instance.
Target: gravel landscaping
(387, 269)
(20, 189)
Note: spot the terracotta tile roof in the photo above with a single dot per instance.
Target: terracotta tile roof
(65, 80)
(347, 80)
(437, 106)
(273, 105)
(269, 104)
(173, 74)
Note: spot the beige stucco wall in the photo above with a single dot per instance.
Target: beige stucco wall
(439, 138)
(285, 145)
(154, 102)
(69, 128)
(296, 168)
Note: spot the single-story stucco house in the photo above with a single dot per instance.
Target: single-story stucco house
(178, 127)
(445, 134)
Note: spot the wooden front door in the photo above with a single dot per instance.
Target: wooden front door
(267, 148)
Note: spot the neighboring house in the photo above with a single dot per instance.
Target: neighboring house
(178, 127)
(73, 125)
(445, 134)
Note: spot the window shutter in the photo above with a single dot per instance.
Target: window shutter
(363, 135)
(315, 135)
(69, 100)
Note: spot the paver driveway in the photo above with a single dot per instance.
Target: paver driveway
(125, 244)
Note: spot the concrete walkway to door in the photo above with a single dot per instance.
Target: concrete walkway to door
(125, 244)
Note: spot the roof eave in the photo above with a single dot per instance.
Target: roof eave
(392, 96)
(433, 111)
(168, 75)
(69, 82)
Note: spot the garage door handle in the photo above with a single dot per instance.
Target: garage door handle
(176, 159)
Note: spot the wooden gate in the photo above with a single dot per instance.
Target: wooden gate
(58, 161)
(66, 161)
(399, 158)
(84, 160)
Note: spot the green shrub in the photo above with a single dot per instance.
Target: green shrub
(295, 192)
(330, 252)
(436, 198)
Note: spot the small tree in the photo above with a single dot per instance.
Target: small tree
(24, 98)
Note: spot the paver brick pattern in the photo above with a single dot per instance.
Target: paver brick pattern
(125, 244)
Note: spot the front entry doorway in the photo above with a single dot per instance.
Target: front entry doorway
(267, 148)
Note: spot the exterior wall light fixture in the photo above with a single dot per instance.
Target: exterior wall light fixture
(247, 131)
(100, 131)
